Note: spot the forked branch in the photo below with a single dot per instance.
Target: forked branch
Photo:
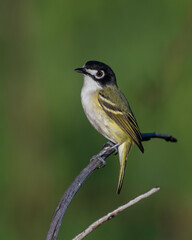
(94, 164)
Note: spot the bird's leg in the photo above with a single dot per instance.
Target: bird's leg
(115, 147)
(108, 144)
(111, 145)
(99, 157)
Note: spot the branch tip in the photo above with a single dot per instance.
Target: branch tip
(67, 197)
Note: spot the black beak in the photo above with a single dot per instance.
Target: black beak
(80, 70)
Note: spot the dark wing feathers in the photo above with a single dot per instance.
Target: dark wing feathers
(122, 114)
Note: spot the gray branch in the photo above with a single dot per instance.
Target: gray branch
(114, 213)
(94, 164)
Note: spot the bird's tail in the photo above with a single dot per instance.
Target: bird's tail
(124, 149)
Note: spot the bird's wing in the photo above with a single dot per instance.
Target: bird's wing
(117, 108)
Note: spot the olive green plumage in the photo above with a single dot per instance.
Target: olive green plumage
(118, 109)
(108, 111)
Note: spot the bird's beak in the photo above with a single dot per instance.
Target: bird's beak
(80, 70)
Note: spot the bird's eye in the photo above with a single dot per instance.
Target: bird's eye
(99, 74)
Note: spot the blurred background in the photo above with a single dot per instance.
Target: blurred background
(46, 140)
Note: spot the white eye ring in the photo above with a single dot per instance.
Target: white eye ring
(99, 74)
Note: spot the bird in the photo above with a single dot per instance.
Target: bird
(108, 110)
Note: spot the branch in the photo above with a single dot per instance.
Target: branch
(166, 137)
(114, 213)
(95, 163)
(66, 199)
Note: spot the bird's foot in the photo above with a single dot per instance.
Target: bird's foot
(108, 144)
(99, 157)
(111, 145)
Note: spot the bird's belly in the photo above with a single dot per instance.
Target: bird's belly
(102, 122)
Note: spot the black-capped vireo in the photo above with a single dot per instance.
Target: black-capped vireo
(108, 111)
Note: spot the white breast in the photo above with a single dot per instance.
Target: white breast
(93, 111)
(95, 114)
(90, 87)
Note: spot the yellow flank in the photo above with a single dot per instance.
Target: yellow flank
(112, 122)
(104, 124)
(111, 130)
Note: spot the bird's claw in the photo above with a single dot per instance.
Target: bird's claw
(111, 145)
(99, 157)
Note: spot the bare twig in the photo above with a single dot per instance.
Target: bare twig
(66, 199)
(166, 137)
(95, 163)
(114, 213)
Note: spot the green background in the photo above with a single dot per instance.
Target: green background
(45, 138)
